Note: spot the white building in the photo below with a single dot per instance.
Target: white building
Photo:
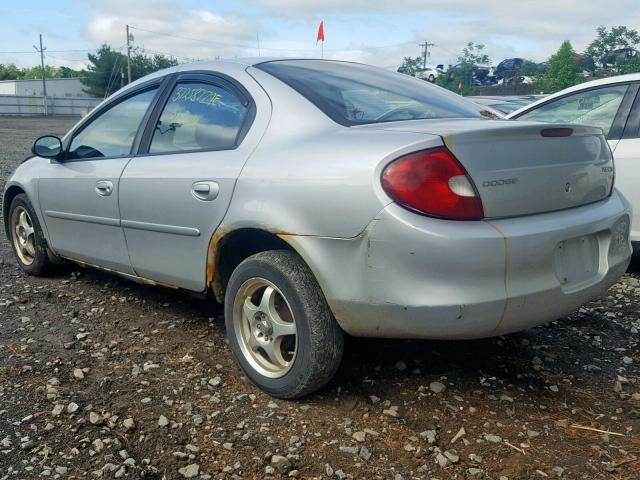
(56, 87)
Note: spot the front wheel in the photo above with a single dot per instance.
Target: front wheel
(27, 238)
(279, 325)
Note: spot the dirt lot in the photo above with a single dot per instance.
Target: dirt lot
(104, 378)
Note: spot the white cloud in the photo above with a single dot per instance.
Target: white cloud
(528, 28)
(167, 27)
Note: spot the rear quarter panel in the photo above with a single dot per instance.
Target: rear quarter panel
(311, 176)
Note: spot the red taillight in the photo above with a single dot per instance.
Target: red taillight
(434, 183)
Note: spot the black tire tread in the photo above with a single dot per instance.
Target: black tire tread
(326, 337)
(41, 265)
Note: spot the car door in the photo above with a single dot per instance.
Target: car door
(607, 107)
(78, 194)
(627, 158)
(175, 192)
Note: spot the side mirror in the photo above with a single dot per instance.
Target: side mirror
(48, 146)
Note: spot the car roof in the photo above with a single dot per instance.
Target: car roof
(225, 66)
(632, 77)
(250, 61)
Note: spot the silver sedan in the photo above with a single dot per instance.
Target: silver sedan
(315, 198)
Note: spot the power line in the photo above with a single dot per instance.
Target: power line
(445, 50)
(193, 39)
(260, 46)
(168, 54)
(112, 76)
(51, 51)
(65, 58)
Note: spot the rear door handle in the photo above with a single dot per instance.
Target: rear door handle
(205, 190)
(104, 187)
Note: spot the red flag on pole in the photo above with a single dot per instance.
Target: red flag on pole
(320, 33)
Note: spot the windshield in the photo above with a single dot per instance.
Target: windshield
(354, 94)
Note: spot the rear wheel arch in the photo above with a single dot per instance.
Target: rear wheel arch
(227, 249)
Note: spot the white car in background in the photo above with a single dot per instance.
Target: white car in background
(430, 73)
(612, 104)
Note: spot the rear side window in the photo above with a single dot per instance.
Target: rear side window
(353, 94)
(597, 107)
(198, 116)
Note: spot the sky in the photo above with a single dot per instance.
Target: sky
(378, 32)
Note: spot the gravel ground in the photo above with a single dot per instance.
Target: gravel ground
(104, 378)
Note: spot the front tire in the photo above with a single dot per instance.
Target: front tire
(279, 325)
(26, 237)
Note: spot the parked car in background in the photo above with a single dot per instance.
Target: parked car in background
(317, 197)
(613, 104)
(504, 104)
(477, 75)
(515, 80)
(430, 73)
(508, 67)
(612, 58)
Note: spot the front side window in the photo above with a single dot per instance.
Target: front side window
(353, 94)
(111, 134)
(198, 116)
(597, 107)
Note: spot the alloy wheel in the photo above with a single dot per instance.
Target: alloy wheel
(265, 327)
(24, 240)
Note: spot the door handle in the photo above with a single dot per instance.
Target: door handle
(104, 187)
(205, 190)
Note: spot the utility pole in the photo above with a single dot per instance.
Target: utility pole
(425, 52)
(129, 40)
(44, 82)
(258, 39)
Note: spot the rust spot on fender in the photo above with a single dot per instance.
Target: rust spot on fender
(213, 281)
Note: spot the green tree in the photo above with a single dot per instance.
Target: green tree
(563, 70)
(473, 54)
(411, 65)
(530, 69)
(107, 67)
(102, 76)
(66, 72)
(629, 66)
(587, 63)
(142, 64)
(9, 72)
(607, 40)
(35, 73)
(461, 75)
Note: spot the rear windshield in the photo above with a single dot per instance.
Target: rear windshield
(354, 94)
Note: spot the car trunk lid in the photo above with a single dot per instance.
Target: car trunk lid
(523, 168)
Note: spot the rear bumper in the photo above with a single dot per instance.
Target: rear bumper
(409, 276)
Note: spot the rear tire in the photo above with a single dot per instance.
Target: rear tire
(26, 237)
(279, 325)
